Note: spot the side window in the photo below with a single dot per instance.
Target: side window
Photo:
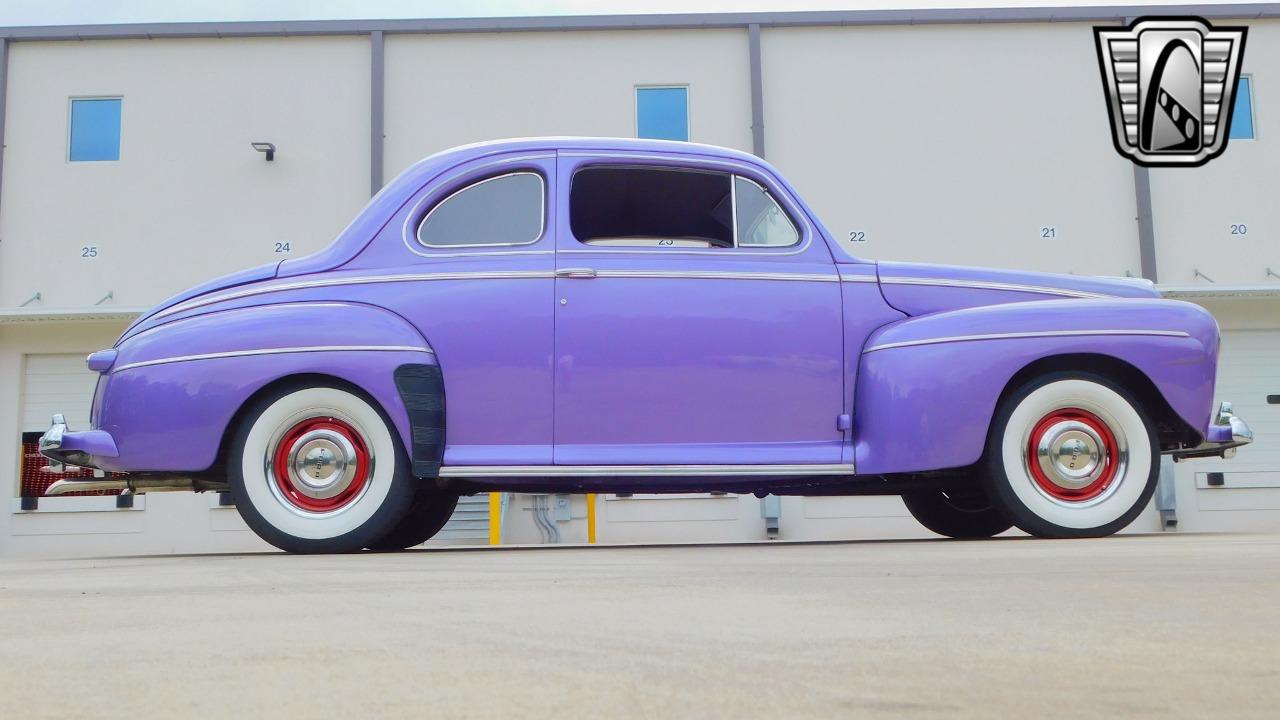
(95, 130)
(503, 210)
(651, 207)
(674, 208)
(662, 113)
(760, 222)
(1242, 112)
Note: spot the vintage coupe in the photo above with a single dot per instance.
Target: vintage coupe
(561, 315)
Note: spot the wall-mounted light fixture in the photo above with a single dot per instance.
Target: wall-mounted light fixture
(265, 147)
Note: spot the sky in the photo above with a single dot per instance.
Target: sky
(83, 12)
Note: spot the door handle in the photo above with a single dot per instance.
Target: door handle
(575, 273)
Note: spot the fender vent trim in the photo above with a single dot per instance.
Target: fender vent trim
(421, 388)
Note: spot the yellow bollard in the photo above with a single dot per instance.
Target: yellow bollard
(495, 518)
(591, 518)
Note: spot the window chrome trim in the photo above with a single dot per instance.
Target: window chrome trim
(273, 351)
(734, 167)
(542, 212)
(716, 275)
(733, 208)
(357, 280)
(470, 471)
(992, 285)
(409, 237)
(1028, 334)
(203, 301)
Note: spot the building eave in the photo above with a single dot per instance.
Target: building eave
(1220, 292)
(1096, 13)
(11, 316)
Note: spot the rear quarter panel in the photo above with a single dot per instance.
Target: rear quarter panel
(173, 389)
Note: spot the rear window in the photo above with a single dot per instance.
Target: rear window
(502, 210)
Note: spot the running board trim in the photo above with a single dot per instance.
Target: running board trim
(476, 471)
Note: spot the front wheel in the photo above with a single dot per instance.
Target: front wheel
(1071, 455)
(318, 469)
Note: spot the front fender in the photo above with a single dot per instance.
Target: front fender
(173, 389)
(928, 386)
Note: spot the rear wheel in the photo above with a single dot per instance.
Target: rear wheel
(430, 511)
(1071, 455)
(961, 513)
(318, 469)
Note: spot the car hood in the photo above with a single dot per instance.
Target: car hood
(243, 277)
(920, 289)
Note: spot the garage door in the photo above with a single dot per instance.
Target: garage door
(56, 383)
(1248, 372)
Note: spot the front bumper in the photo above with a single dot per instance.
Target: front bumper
(1225, 436)
(64, 447)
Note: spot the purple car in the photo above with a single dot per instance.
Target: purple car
(566, 315)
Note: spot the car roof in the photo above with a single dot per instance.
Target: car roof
(352, 241)
(491, 147)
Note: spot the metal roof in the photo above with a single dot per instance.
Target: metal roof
(637, 22)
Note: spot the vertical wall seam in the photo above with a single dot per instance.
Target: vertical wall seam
(4, 92)
(1142, 201)
(1146, 223)
(757, 91)
(377, 94)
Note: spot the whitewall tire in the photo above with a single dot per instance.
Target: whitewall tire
(1071, 455)
(318, 469)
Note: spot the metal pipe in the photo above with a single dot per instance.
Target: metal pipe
(591, 518)
(137, 485)
(495, 518)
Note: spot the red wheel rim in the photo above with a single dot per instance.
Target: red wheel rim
(294, 489)
(1101, 477)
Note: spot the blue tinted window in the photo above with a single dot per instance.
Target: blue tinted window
(662, 113)
(95, 129)
(1242, 114)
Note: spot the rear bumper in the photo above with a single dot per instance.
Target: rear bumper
(64, 447)
(1226, 434)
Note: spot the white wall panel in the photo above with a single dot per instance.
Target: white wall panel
(446, 90)
(1195, 209)
(954, 143)
(56, 384)
(188, 199)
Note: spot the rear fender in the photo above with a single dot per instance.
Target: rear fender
(173, 390)
(928, 386)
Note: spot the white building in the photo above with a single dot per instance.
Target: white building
(970, 137)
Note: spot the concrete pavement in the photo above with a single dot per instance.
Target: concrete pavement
(1135, 626)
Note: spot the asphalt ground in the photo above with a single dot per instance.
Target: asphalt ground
(1127, 627)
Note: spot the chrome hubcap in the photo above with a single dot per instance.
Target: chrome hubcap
(1071, 454)
(321, 464)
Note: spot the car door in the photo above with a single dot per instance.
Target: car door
(479, 287)
(697, 319)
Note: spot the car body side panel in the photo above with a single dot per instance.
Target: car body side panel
(865, 311)
(171, 417)
(179, 386)
(696, 356)
(921, 289)
(282, 325)
(926, 394)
